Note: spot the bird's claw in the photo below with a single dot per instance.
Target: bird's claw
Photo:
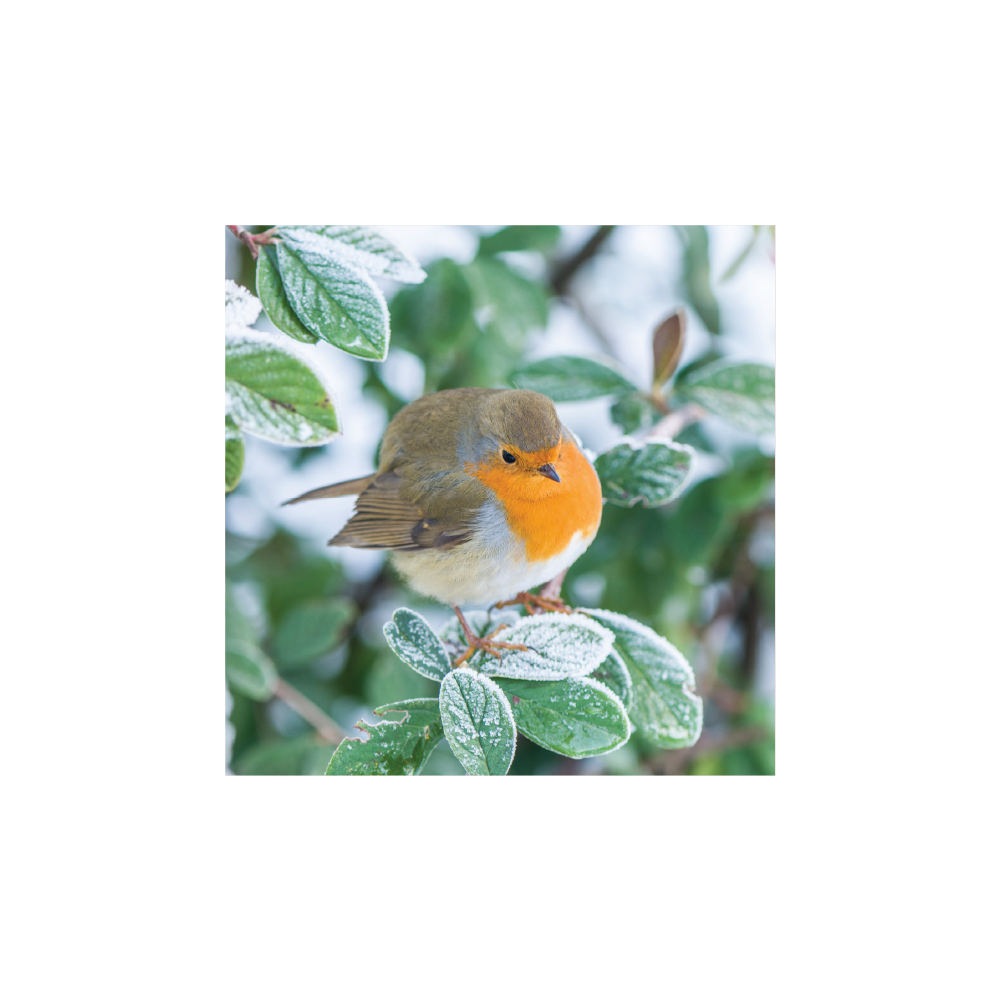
(535, 604)
(488, 645)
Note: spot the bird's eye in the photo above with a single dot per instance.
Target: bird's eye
(507, 456)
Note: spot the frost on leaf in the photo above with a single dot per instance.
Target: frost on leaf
(333, 298)
(652, 474)
(478, 722)
(612, 673)
(274, 393)
(413, 640)
(394, 747)
(249, 670)
(274, 299)
(743, 393)
(368, 249)
(576, 717)
(665, 708)
(242, 307)
(561, 646)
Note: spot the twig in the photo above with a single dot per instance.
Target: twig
(564, 271)
(253, 240)
(310, 712)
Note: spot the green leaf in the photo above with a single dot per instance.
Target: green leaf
(508, 305)
(478, 722)
(560, 646)
(249, 670)
(665, 708)
(612, 674)
(431, 317)
(238, 626)
(632, 412)
(369, 250)
(568, 377)
(412, 640)
(652, 474)
(234, 454)
(274, 299)
(393, 747)
(331, 297)
(519, 238)
(274, 394)
(283, 757)
(310, 629)
(577, 717)
(695, 269)
(742, 394)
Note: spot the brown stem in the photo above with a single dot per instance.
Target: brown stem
(310, 712)
(564, 271)
(253, 240)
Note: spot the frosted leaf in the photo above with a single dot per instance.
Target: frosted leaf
(576, 717)
(366, 248)
(478, 722)
(651, 474)
(612, 673)
(394, 747)
(332, 298)
(274, 393)
(274, 299)
(569, 377)
(665, 708)
(562, 646)
(743, 394)
(242, 307)
(413, 640)
(481, 623)
(249, 670)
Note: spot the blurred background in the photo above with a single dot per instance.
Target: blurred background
(700, 570)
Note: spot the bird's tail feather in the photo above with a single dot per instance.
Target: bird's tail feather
(345, 489)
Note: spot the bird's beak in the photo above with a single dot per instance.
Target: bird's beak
(547, 470)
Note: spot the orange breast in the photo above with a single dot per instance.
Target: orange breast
(544, 513)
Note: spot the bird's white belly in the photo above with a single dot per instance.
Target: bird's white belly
(491, 567)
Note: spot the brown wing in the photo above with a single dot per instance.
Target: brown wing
(384, 520)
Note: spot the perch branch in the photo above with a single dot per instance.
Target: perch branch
(310, 712)
(564, 271)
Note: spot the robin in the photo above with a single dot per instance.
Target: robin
(480, 493)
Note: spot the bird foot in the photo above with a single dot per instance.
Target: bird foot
(535, 604)
(485, 643)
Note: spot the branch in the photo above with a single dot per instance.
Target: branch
(253, 240)
(310, 712)
(564, 271)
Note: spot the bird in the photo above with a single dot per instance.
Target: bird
(479, 494)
